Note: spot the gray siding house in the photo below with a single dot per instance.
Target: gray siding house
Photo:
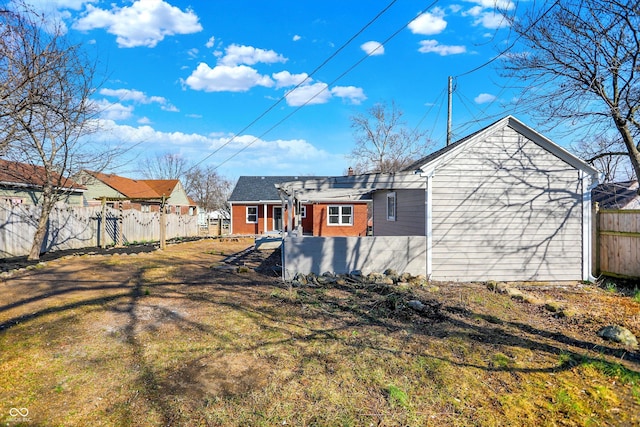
(504, 203)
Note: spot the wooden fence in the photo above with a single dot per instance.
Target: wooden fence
(617, 243)
(83, 227)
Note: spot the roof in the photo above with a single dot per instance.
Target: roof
(24, 174)
(617, 195)
(261, 188)
(519, 127)
(138, 188)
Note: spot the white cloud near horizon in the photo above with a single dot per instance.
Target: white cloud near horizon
(143, 23)
(268, 156)
(372, 48)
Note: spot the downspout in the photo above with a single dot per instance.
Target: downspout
(587, 224)
(428, 220)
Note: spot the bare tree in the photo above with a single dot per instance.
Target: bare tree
(164, 166)
(580, 64)
(208, 188)
(608, 155)
(45, 109)
(383, 142)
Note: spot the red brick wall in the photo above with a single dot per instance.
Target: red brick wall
(321, 226)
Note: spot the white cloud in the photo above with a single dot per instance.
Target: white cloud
(432, 46)
(372, 48)
(138, 97)
(211, 42)
(354, 94)
(249, 55)
(484, 98)
(144, 23)
(495, 4)
(296, 38)
(492, 20)
(113, 110)
(488, 14)
(144, 121)
(316, 93)
(429, 23)
(271, 157)
(286, 79)
(223, 78)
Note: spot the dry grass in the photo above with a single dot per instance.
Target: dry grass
(170, 338)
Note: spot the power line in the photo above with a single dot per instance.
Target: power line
(347, 71)
(283, 97)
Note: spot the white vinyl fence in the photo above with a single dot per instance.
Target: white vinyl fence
(81, 227)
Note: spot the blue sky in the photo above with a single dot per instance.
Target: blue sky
(207, 79)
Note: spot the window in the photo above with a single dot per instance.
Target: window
(391, 206)
(303, 211)
(252, 214)
(340, 215)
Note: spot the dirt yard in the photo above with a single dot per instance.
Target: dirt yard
(205, 333)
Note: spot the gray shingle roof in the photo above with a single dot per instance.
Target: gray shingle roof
(260, 188)
(617, 195)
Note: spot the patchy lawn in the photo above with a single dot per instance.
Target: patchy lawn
(180, 337)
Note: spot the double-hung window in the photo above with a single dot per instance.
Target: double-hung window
(391, 206)
(252, 214)
(340, 215)
(303, 211)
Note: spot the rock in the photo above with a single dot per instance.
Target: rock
(300, 278)
(416, 305)
(390, 272)
(515, 293)
(553, 306)
(618, 334)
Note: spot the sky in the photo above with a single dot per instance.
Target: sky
(270, 87)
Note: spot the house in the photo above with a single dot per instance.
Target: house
(617, 195)
(21, 183)
(257, 208)
(146, 195)
(504, 203)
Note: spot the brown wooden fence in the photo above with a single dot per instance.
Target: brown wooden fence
(84, 227)
(617, 243)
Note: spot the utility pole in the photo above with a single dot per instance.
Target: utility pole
(449, 111)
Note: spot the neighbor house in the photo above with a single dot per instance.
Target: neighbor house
(22, 183)
(146, 195)
(257, 208)
(617, 195)
(504, 203)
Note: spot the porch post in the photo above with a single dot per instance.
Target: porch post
(264, 211)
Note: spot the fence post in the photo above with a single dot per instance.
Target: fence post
(103, 224)
(120, 225)
(163, 224)
(596, 238)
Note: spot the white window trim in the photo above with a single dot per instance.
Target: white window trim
(246, 217)
(303, 211)
(391, 216)
(340, 215)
